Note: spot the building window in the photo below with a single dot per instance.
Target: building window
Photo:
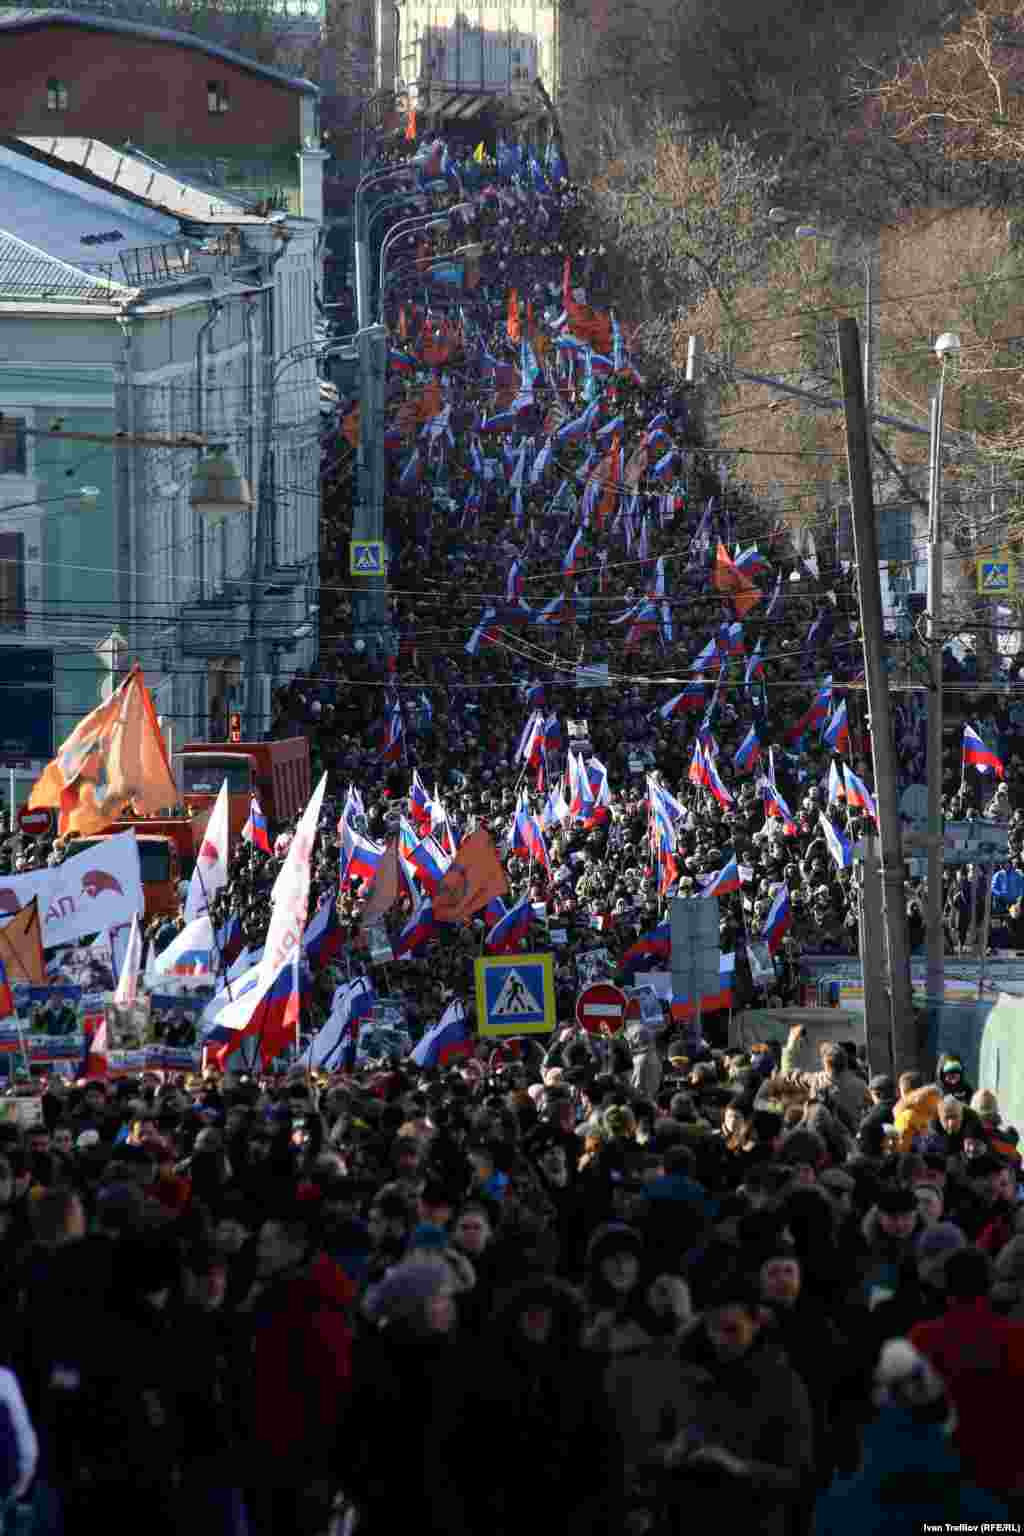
(216, 97)
(12, 581)
(56, 96)
(12, 445)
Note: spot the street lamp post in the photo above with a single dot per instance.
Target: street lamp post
(935, 935)
(370, 599)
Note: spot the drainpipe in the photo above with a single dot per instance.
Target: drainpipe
(248, 317)
(213, 311)
(126, 514)
(264, 495)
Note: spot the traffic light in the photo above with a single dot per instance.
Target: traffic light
(234, 726)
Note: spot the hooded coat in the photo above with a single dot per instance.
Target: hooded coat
(758, 1409)
(534, 1416)
(909, 1479)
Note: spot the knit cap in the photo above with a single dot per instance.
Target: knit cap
(934, 1247)
(406, 1289)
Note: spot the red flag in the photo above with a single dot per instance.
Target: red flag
(96, 1061)
(512, 326)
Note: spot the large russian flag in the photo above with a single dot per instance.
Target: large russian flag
(656, 945)
(360, 859)
(265, 1012)
(685, 1009)
(449, 1037)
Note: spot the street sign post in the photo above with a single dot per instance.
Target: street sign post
(601, 1005)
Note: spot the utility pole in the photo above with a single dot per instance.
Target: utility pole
(372, 621)
(934, 928)
(878, 1036)
(905, 1047)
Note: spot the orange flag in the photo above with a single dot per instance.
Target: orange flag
(512, 327)
(474, 878)
(727, 578)
(403, 323)
(430, 402)
(21, 946)
(590, 325)
(350, 426)
(410, 125)
(611, 477)
(113, 759)
(530, 327)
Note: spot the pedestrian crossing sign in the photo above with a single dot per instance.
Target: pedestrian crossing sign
(366, 557)
(997, 576)
(515, 994)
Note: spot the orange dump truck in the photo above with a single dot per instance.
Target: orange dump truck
(160, 864)
(275, 772)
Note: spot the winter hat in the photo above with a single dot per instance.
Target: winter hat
(612, 1237)
(934, 1247)
(893, 1201)
(405, 1290)
(904, 1375)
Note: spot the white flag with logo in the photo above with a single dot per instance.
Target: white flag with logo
(128, 981)
(211, 872)
(98, 888)
(291, 891)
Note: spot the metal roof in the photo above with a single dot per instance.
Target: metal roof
(139, 175)
(26, 20)
(29, 273)
(70, 219)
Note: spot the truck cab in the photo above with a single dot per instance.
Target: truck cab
(161, 870)
(276, 773)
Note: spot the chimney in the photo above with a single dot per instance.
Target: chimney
(311, 183)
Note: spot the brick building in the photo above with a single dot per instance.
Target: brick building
(168, 93)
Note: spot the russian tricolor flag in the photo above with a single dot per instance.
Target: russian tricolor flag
(419, 802)
(838, 846)
(837, 732)
(685, 1009)
(693, 696)
(510, 929)
(267, 1012)
(573, 554)
(775, 805)
(748, 753)
(418, 931)
(714, 783)
(430, 863)
(858, 796)
(697, 773)
(360, 859)
(656, 945)
(322, 940)
(977, 755)
(778, 920)
(751, 563)
(256, 830)
(449, 1037)
(726, 881)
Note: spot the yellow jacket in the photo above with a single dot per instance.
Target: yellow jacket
(913, 1114)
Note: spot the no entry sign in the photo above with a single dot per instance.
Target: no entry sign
(35, 823)
(600, 1004)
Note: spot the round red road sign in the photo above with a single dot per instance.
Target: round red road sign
(35, 823)
(600, 1004)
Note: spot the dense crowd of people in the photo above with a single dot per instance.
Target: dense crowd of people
(630, 1281)
(632, 1286)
